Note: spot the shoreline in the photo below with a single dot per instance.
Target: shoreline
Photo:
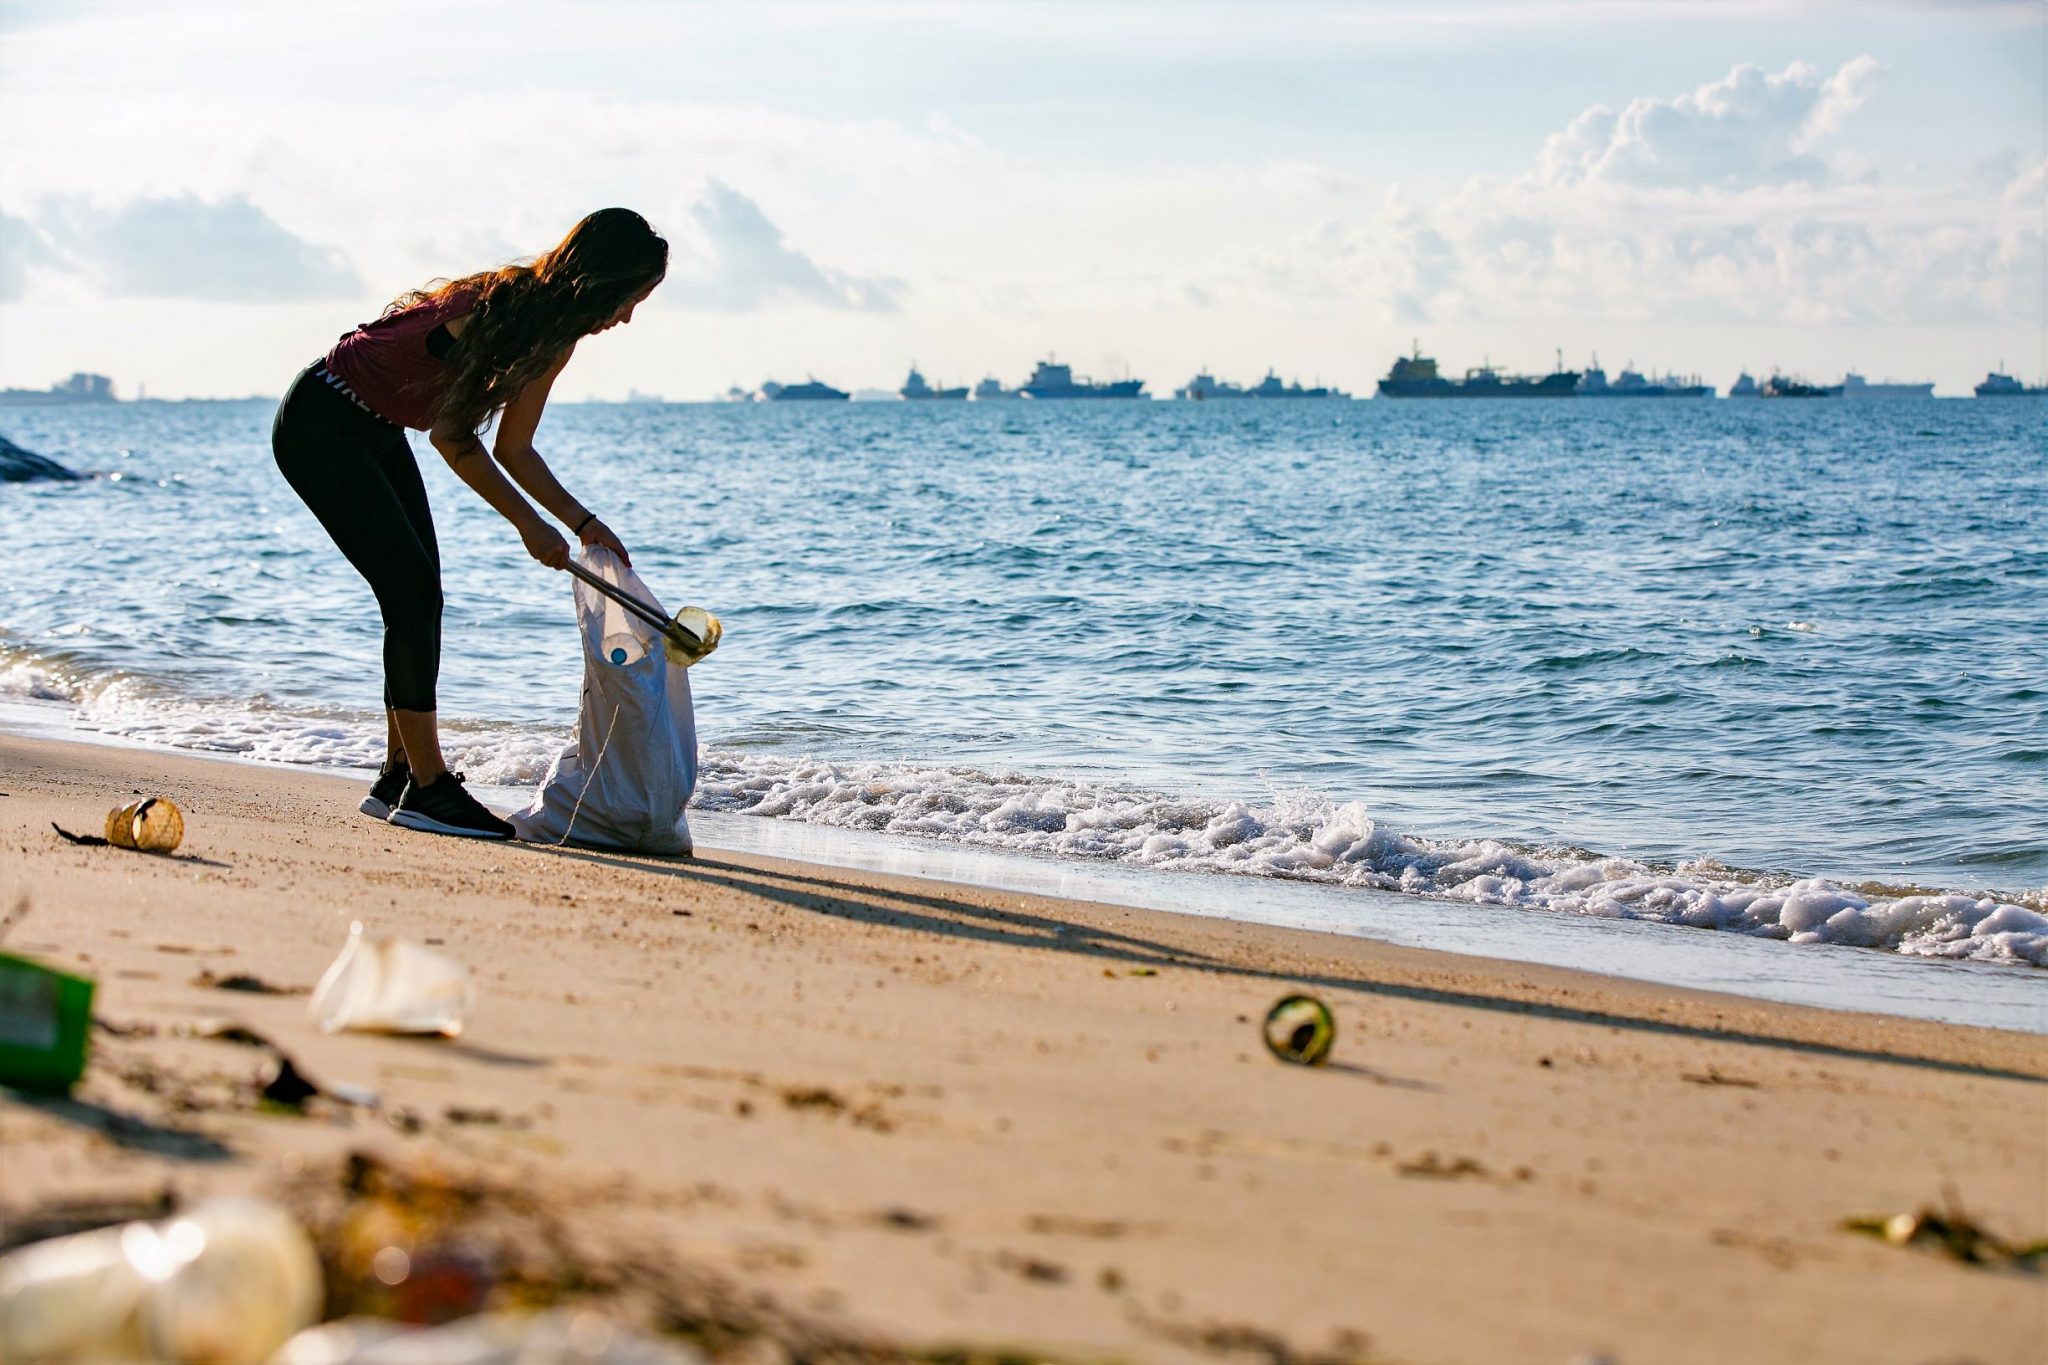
(1825, 976)
(807, 1079)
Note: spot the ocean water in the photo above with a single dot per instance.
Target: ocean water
(1778, 670)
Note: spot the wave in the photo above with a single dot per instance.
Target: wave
(132, 706)
(1292, 835)
(1308, 837)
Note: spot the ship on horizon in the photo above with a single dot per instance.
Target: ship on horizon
(915, 389)
(1745, 386)
(1629, 384)
(1783, 386)
(810, 391)
(1205, 386)
(1054, 380)
(990, 389)
(1416, 376)
(1998, 384)
(1855, 385)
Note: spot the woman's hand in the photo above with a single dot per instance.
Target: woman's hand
(597, 533)
(546, 544)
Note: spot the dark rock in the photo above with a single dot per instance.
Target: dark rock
(20, 466)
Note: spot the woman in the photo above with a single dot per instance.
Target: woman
(444, 360)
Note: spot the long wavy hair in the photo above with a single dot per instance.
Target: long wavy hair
(527, 315)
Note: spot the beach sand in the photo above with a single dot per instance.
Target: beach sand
(920, 1115)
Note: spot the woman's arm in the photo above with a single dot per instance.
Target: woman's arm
(465, 455)
(514, 450)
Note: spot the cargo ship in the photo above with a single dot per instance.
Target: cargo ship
(990, 389)
(1205, 386)
(1855, 385)
(1053, 380)
(1998, 385)
(1416, 376)
(1629, 384)
(916, 389)
(810, 391)
(1778, 386)
(1271, 387)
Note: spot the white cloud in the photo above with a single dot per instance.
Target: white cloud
(178, 247)
(739, 261)
(24, 252)
(1749, 128)
(1724, 204)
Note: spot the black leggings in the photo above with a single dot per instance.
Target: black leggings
(356, 472)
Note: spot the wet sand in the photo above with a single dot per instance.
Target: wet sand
(935, 1115)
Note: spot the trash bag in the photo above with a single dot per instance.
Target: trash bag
(623, 781)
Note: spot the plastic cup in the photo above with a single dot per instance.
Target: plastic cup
(698, 622)
(390, 985)
(151, 825)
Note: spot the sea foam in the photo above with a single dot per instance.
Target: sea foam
(1292, 835)
(1311, 838)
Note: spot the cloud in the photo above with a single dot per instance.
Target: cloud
(740, 262)
(23, 250)
(184, 247)
(1749, 128)
(1725, 204)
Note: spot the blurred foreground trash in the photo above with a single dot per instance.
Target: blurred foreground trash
(1954, 1234)
(225, 1284)
(45, 1016)
(152, 825)
(389, 985)
(557, 1338)
(1300, 1029)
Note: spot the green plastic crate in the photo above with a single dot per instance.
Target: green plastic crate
(45, 1017)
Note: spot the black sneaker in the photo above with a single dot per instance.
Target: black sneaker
(385, 791)
(443, 807)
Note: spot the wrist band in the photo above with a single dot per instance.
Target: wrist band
(588, 517)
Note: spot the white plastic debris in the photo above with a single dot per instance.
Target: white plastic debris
(557, 1338)
(226, 1284)
(391, 985)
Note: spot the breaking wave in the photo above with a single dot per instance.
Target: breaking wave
(131, 706)
(1290, 835)
(1312, 838)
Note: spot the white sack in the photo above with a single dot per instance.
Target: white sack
(623, 781)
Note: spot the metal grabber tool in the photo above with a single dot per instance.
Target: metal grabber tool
(687, 636)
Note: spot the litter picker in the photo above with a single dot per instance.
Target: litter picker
(687, 636)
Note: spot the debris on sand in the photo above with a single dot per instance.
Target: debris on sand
(244, 981)
(1954, 1234)
(1300, 1029)
(586, 1338)
(45, 1017)
(152, 825)
(229, 1282)
(392, 985)
(1430, 1166)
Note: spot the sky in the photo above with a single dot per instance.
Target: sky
(197, 198)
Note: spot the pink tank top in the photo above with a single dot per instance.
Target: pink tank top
(388, 365)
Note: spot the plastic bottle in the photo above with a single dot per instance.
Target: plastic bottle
(225, 1284)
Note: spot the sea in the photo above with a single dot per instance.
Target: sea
(1744, 695)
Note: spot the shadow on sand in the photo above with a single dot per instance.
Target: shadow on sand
(957, 918)
(125, 1130)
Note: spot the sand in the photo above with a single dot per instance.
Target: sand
(935, 1115)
